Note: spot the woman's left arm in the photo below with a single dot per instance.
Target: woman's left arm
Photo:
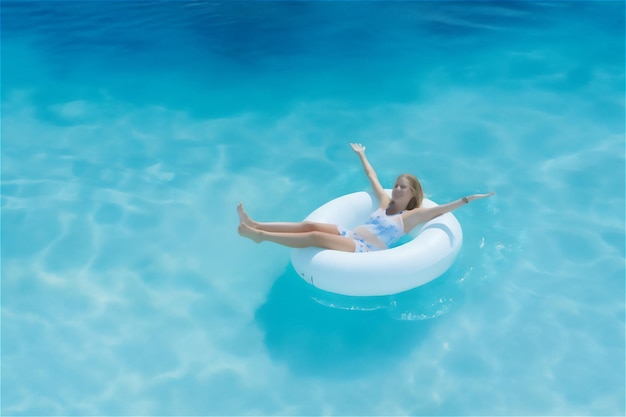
(423, 214)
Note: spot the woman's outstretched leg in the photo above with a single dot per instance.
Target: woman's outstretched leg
(298, 239)
(287, 227)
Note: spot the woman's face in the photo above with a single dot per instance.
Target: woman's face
(402, 192)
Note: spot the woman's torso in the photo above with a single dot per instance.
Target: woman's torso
(382, 230)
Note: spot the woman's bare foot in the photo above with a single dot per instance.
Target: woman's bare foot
(247, 231)
(243, 216)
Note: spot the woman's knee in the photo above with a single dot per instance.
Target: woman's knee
(321, 239)
(321, 227)
(317, 237)
(310, 226)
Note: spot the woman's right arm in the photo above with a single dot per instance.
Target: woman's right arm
(379, 191)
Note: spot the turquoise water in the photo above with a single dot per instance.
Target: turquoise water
(130, 131)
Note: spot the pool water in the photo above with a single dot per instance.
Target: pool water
(131, 130)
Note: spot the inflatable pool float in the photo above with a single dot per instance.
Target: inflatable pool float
(421, 256)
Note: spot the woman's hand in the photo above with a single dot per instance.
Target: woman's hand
(379, 191)
(478, 196)
(358, 148)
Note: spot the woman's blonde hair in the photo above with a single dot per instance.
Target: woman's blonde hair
(416, 190)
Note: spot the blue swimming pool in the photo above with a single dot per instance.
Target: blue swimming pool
(131, 130)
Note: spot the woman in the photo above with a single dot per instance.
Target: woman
(395, 217)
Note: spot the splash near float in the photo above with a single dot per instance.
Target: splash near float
(421, 256)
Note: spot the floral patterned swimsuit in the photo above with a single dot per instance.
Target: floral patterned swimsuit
(379, 232)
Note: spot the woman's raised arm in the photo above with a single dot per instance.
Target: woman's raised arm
(379, 191)
(420, 215)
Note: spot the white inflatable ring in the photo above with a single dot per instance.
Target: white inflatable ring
(432, 248)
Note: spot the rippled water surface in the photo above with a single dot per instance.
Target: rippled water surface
(131, 130)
